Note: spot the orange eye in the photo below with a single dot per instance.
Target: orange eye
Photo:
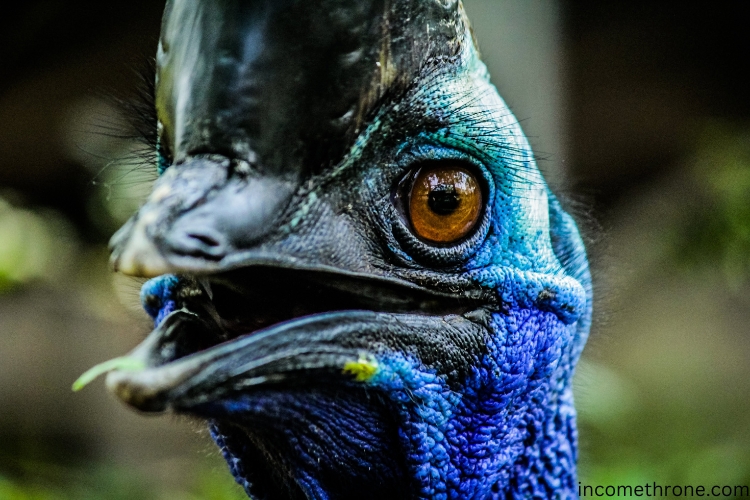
(445, 203)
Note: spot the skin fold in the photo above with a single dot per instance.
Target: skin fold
(334, 352)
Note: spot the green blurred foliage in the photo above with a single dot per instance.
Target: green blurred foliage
(34, 245)
(631, 437)
(673, 409)
(96, 482)
(717, 224)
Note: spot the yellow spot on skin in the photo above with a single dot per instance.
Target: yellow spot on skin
(363, 370)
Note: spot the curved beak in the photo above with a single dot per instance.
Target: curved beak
(345, 347)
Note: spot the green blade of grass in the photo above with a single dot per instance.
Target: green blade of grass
(124, 363)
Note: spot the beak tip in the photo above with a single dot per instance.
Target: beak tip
(139, 257)
(134, 394)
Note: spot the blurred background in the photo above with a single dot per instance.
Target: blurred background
(639, 113)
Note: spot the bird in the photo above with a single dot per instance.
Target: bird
(359, 276)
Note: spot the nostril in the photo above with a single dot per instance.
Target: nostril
(205, 239)
(196, 243)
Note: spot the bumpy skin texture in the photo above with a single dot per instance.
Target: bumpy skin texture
(464, 396)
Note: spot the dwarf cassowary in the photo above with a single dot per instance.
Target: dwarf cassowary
(361, 280)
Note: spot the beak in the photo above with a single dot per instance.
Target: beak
(200, 212)
(350, 347)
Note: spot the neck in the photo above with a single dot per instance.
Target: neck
(511, 433)
(507, 430)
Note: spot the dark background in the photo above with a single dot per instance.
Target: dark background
(650, 140)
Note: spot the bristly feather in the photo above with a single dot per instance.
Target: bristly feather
(139, 108)
(134, 123)
(130, 125)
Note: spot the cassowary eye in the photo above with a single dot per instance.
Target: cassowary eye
(445, 203)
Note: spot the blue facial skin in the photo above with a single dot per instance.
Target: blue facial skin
(505, 428)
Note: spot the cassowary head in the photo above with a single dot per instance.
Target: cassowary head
(361, 279)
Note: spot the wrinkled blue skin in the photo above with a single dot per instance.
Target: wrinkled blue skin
(508, 430)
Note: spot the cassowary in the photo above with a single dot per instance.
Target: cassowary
(360, 278)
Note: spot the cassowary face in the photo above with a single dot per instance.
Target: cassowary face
(366, 287)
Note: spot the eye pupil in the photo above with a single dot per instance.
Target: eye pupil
(443, 199)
